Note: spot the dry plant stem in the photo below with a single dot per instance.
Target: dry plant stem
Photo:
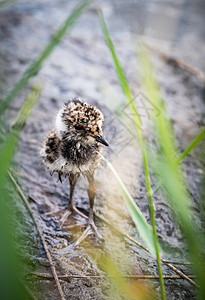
(146, 249)
(180, 273)
(178, 262)
(135, 276)
(121, 232)
(181, 64)
(41, 236)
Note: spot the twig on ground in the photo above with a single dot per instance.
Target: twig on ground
(178, 262)
(41, 236)
(146, 249)
(179, 63)
(179, 272)
(134, 276)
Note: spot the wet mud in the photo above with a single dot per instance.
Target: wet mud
(81, 66)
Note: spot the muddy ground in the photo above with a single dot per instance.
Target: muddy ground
(81, 66)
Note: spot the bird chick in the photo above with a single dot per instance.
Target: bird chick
(73, 148)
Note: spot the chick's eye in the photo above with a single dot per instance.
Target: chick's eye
(78, 127)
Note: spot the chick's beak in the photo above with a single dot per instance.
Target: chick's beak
(99, 138)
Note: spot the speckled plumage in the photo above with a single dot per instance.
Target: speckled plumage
(71, 147)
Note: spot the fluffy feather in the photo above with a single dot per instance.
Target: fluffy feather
(71, 147)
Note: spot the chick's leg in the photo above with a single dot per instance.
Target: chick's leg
(71, 206)
(91, 227)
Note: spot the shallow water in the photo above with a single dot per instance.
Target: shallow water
(81, 66)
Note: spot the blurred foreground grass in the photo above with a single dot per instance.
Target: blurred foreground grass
(166, 169)
(9, 271)
(11, 285)
(36, 65)
(136, 118)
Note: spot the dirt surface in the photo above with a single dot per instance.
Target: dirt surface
(81, 66)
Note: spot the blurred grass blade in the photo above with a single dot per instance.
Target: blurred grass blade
(144, 229)
(120, 73)
(34, 68)
(130, 290)
(136, 117)
(192, 145)
(9, 271)
(6, 3)
(7, 149)
(168, 169)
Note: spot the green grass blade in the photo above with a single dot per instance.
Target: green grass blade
(6, 3)
(196, 140)
(192, 145)
(154, 225)
(144, 229)
(8, 259)
(127, 91)
(7, 149)
(121, 286)
(121, 74)
(34, 68)
(168, 169)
